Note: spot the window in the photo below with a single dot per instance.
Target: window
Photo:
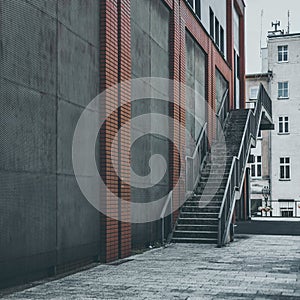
(237, 67)
(285, 168)
(287, 212)
(211, 22)
(222, 39)
(217, 31)
(196, 6)
(283, 125)
(253, 92)
(259, 134)
(283, 89)
(191, 3)
(256, 167)
(282, 53)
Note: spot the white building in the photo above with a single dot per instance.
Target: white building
(276, 158)
(284, 63)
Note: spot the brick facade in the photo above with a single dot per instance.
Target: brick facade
(115, 66)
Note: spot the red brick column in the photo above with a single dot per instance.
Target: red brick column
(125, 116)
(108, 78)
(230, 51)
(177, 73)
(242, 61)
(115, 66)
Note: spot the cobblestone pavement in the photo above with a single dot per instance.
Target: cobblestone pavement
(253, 267)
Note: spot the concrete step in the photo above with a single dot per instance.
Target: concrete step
(199, 215)
(211, 198)
(189, 203)
(213, 180)
(197, 221)
(195, 240)
(202, 208)
(195, 234)
(216, 174)
(203, 192)
(196, 227)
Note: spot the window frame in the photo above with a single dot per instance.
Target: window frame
(287, 212)
(195, 5)
(250, 92)
(256, 167)
(217, 32)
(283, 125)
(281, 52)
(283, 89)
(222, 40)
(211, 23)
(285, 164)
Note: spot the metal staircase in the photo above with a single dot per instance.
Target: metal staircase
(206, 216)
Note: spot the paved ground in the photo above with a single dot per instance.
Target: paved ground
(256, 267)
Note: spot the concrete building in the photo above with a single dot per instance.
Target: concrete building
(260, 165)
(284, 63)
(275, 158)
(56, 56)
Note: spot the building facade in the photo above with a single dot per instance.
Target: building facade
(56, 56)
(260, 160)
(284, 63)
(275, 158)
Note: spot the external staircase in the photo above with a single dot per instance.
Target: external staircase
(207, 214)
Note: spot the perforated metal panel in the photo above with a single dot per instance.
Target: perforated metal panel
(48, 73)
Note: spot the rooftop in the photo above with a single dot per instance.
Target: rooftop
(273, 35)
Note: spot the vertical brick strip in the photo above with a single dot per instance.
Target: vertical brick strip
(230, 52)
(175, 93)
(242, 61)
(108, 78)
(125, 116)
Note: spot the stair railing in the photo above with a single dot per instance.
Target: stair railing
(237, 170)
(194, 162)
(193, 169)
(222, 112)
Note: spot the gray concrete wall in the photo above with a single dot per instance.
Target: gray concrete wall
(48, 72)
(150, 58)
(269, 227)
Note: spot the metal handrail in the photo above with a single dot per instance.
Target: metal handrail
(222, 113)
(202, 134)
(163, 213)
(170, 195)
(223, 102)
(198, 143)
(238, 165)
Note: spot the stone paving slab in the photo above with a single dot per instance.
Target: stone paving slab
(253, 267)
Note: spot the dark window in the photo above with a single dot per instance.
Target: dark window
(211, 22)
(217, 31)
(287, 213)
(221, 39)
(259, 134)
(283, 89)
(191, 2)
(285, 168)
(253, 170)
(238, 67)
(198, 8)
(259, 170)
(256, 167)
(282, 53)
(286, 124)
(283, 124)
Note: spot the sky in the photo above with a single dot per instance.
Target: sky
(272, 10)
